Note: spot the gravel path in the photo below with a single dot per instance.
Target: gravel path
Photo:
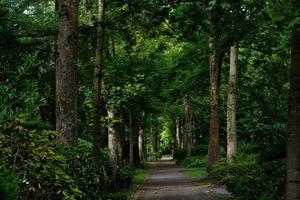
(168, 182)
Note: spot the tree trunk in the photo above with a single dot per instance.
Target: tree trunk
(131, 140)
(113, 145)
(65, 74)
(188, 126)
(142, 143)
(293, 144)
(231, 105)
(213, 146)
(98, 104)
(177, 125)
(154, 144)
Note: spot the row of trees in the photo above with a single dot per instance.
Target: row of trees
(136, 76)
(66, 87)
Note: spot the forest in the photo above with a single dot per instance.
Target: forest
(149, 99)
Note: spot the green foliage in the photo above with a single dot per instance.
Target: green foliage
(199, 150)
(124, 176)
(34, 155)
(249, 179)
(139, 176)
(179, 154)
(193, 162)
(82, 168)
(9, 185)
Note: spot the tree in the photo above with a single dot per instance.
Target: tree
(66, 87)
(98, 104)
(231, 104)
(293, 147)
(188, 126)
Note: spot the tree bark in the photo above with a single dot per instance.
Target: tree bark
(293, 143)
(113, 145)
(231, 105)
(98, 104)
(188, 126)
(213, 146)
(141, 144)
(65, 74)
(177, 125)
(131, 140)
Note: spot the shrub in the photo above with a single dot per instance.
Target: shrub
(199, 150)
(34, 156)
(190, 162)
(81, 166)
(124, 176)
(9, 189)
(179, 154)
(249, 179)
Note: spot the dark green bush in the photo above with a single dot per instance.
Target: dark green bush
(81, 166)
(191, 162)
(124, 176)
(34, 156)
(114, 196)
(249, 179)
(199, 150)
(9, 185)
(179, 154)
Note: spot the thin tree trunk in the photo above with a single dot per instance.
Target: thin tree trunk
(231, 105)
(141, 144)
(188, 125)
(154, 144)
(177, 125)
(113, 145)
(98, 104)
(131, 140)
(293, 144)
(213, 146)
(65, 74)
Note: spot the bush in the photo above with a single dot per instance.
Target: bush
(124, 176)
(81, 166)
(249, 179)
(9, 189)
(199, 150)
(191, 162)
(179, 154)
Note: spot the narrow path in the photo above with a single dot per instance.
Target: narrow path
(168, 182)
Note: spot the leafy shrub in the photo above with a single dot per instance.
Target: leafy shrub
(82, 168)
(249, 179)
(199, 150)
(190, 162)
(8, 185)
(124, 176)
(179, 154)
(34, 156)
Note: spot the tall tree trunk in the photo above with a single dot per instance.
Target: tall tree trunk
(188, 125)
(231, 104)
(65, 74)
(141, 140)
(113, 145)
(98, 104)
(213, 146)
(141, 143)
(293, 144)
(131, 140)
(177, 125)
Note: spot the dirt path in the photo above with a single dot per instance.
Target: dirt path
(168, 182)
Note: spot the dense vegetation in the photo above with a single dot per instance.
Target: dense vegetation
(90, 90)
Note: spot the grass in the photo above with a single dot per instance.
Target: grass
(140, 176)
(196, 172)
